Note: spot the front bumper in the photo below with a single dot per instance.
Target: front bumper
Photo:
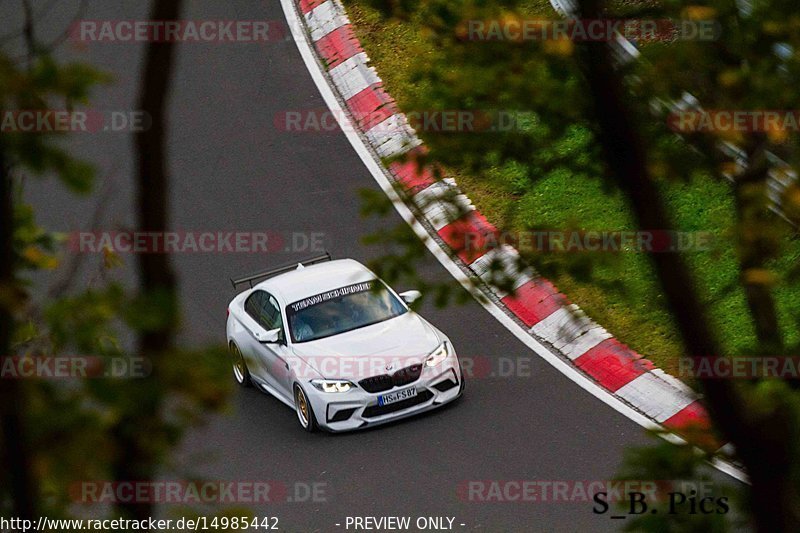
(358, 408)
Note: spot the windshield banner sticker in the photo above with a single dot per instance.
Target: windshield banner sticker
(325, 296)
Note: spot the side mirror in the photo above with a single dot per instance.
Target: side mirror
(272, 336)
(409, 297)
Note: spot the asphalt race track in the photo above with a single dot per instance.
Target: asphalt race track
(232, 169)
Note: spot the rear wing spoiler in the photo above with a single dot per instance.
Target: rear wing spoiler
(281, 269)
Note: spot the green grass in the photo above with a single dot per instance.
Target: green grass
(621, 293)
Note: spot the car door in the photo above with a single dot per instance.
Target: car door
(250, 344)
(273, 357)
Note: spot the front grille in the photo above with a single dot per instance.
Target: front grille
(377, 383)
(379, 410)
(384, 382)
(406, 375)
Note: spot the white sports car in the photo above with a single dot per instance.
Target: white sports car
(335, 343)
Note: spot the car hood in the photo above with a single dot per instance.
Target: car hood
(368, 351)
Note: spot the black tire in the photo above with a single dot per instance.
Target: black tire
(304, 411)
(240, 372)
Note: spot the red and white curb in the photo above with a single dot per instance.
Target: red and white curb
(537, 313)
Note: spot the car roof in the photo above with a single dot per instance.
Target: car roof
(314, 279)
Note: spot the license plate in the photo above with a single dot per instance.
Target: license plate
(398, 396)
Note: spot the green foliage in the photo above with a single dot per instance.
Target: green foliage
(78, 426)
(87, 322)
(46, 85)
(69, 418)
(548, 174)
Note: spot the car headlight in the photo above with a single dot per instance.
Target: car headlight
(438, 355)
(332, 385)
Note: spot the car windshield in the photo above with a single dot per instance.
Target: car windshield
(341, 310)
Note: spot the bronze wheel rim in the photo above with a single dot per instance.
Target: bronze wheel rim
(238, 364)
(302, 406)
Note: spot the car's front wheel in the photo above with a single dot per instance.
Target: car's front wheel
(305, 413)
(240, 372)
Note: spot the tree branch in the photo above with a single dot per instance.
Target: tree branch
(762, 441)
(15, 448)
(140, 430)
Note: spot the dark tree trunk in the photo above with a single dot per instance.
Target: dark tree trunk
(749, 192)
(762, 441)
(15, 448)
(139, 456)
